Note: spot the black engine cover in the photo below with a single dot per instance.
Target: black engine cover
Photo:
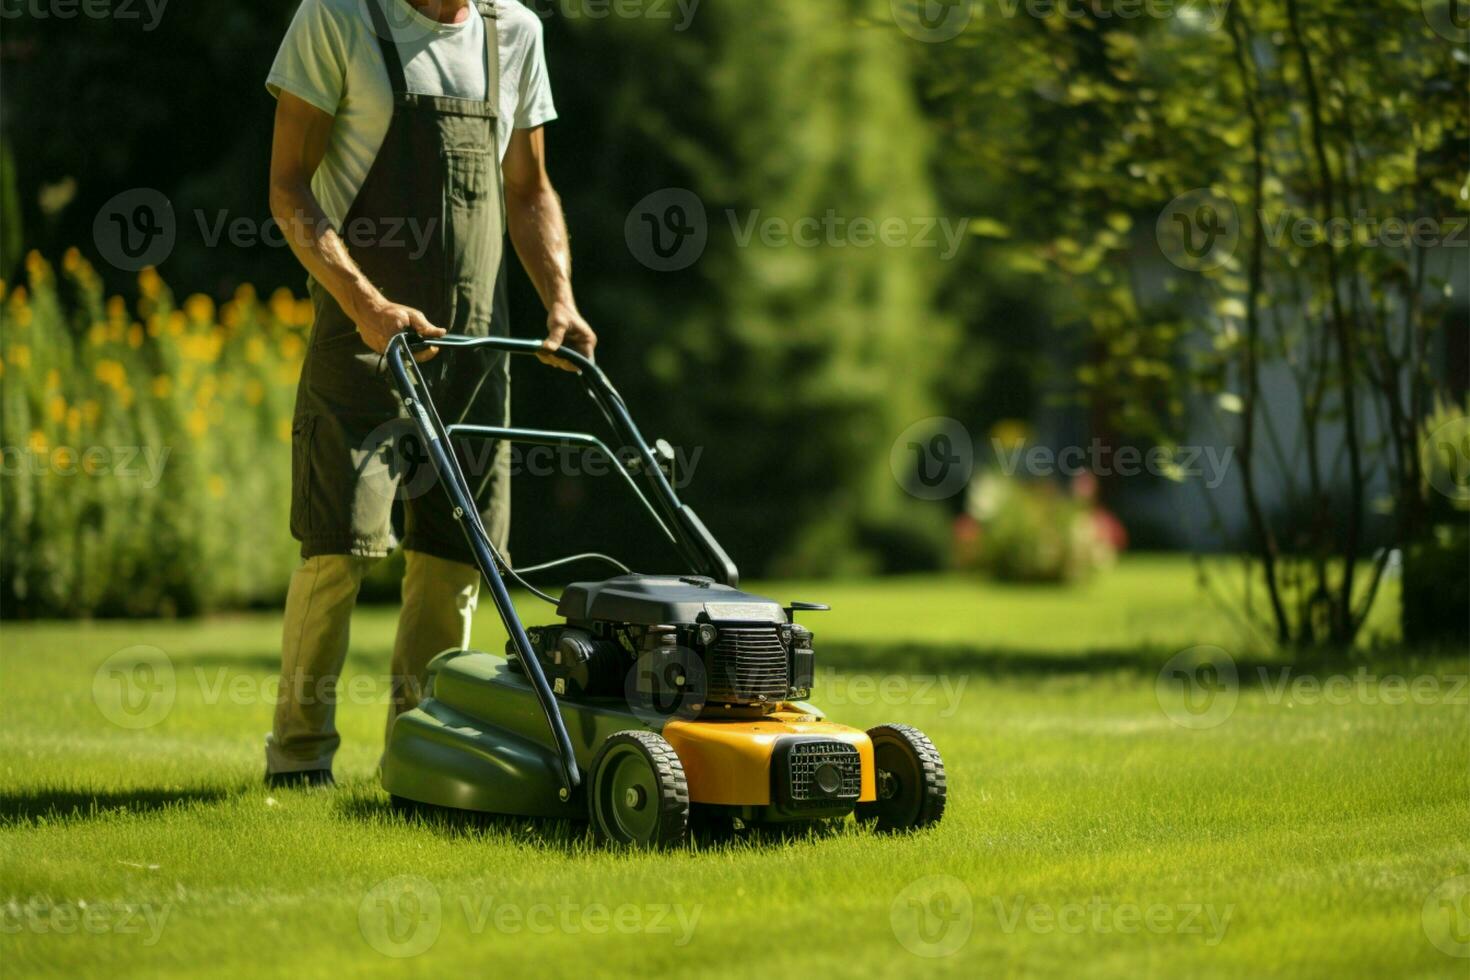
(651, 600)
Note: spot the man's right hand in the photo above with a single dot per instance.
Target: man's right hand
(378, 321)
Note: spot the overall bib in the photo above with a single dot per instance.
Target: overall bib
(436, 179)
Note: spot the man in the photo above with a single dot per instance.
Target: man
(407, 142)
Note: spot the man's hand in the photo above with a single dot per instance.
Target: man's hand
(565, 326)
(379, 320)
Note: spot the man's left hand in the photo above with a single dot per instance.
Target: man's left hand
(565, 326)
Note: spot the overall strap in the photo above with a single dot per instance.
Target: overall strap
(389, 47)
(492, 52)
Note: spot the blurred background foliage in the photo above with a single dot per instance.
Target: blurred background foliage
(1058, 132)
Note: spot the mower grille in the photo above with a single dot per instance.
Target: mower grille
(748, 665)
(842, 766)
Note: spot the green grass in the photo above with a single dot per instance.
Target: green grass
(1087, 833)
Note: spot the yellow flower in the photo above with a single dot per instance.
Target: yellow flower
(18, 296)
(56, 408)
(283, 305)
(91, 411)
(36, 268)
(254, 392)
(20, 354)
(229, 314)
(37, 442)
(73, 420)
(97, 334)
(162, 386)
(71, 259)
(176, 323)
(245, 294)
(197, 422)
(149, 283)
(216, 485)
(117, 308)
(200, 308)
(1009, 434)
(254, 350)
(292, 348)
(53, 379)
(135, 336)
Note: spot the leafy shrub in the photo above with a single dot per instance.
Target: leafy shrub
(146, 466)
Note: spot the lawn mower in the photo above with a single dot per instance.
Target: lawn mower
(655, 697)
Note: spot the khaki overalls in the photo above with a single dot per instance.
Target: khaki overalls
(353, 453)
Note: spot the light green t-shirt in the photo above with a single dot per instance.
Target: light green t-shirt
(331, 59)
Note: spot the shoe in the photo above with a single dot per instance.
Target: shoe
(300, 779)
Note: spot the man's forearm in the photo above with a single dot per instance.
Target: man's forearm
(319, 248)
(538, 230)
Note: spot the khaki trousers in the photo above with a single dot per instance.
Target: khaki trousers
(439, 599)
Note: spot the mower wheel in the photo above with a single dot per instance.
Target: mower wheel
(911, 785)
(638, 795)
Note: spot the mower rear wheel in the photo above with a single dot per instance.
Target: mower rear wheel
(638, 795)
(910, 776)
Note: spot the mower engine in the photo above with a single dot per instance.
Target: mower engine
(683, 646)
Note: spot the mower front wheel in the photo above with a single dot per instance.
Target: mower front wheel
(910, 777)
(638, 795)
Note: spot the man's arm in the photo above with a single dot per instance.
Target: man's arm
(538, 230)
(297, 148)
